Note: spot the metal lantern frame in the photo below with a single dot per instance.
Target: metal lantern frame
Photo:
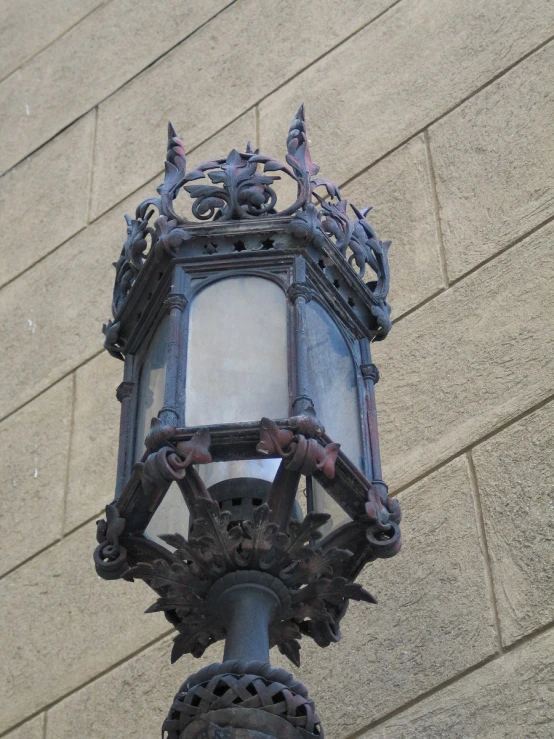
(315, 252)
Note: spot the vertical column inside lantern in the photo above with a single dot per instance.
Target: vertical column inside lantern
(237, 371)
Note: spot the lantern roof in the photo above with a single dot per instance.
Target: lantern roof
(237, 198)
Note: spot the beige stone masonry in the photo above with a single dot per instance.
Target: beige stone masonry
(468, 361)
(493, 162)
(401, 73)
(34, 444)
(95, 439)
(399, 188)
(81, 272)
(201, 90)
(27, 26)
(67, 297)
(87, 64)
(515, 475)
(433, 619)
(130, 701)
(510, 698)
(33, 729)
(38, 224)
(62, 625)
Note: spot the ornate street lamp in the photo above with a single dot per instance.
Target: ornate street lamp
(246, 335)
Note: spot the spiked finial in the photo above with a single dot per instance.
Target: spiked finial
(299, 156)
(175, 148)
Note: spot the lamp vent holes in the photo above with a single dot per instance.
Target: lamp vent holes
(351, 302)
(336, 284)
(239, 246)
(321, 265)
(268, 244)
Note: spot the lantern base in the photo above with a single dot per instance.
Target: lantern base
(242, 700)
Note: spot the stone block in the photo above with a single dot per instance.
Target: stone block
(399, 188)
(34, 445)
(222, 72)
(494, 163)
(515, 470)
(87, 64)
(62, 625)
(468, 361)
(51, 316)
(130, 701)
(432, 622)
(509, 698)
(33, 729)
(27, 26)
(45, 198)
(399, 74)
(95, 439)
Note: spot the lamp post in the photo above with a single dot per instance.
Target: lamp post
(245, 333)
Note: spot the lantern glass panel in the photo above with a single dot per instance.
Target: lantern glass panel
(171, 517)
(237, 353)
(334, 389)
(152, 383)
(237, 370)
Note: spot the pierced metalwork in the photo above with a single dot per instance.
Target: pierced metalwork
(242, 686)
(238, 191)
(318, 576)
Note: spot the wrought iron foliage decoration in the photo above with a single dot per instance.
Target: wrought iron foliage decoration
(318, 575)
(241, 186)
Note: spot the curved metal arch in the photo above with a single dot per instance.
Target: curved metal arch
(193, 290)
(321, 300)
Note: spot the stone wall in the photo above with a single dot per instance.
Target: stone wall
(437, 112)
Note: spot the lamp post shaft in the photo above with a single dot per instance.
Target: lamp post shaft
(247, 610)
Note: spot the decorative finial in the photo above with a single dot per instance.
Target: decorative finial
(175, 148)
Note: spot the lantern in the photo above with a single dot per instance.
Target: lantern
(249, 492)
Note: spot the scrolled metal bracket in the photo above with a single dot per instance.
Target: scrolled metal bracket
(303, 581)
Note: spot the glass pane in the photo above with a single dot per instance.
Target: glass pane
(334, 390)
(260, 469)
(323, 503)
(237, 353)
(171, 517)
(333, 382)
(239, 486)
(152, 384)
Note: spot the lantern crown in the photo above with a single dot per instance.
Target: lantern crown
(241, 187)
